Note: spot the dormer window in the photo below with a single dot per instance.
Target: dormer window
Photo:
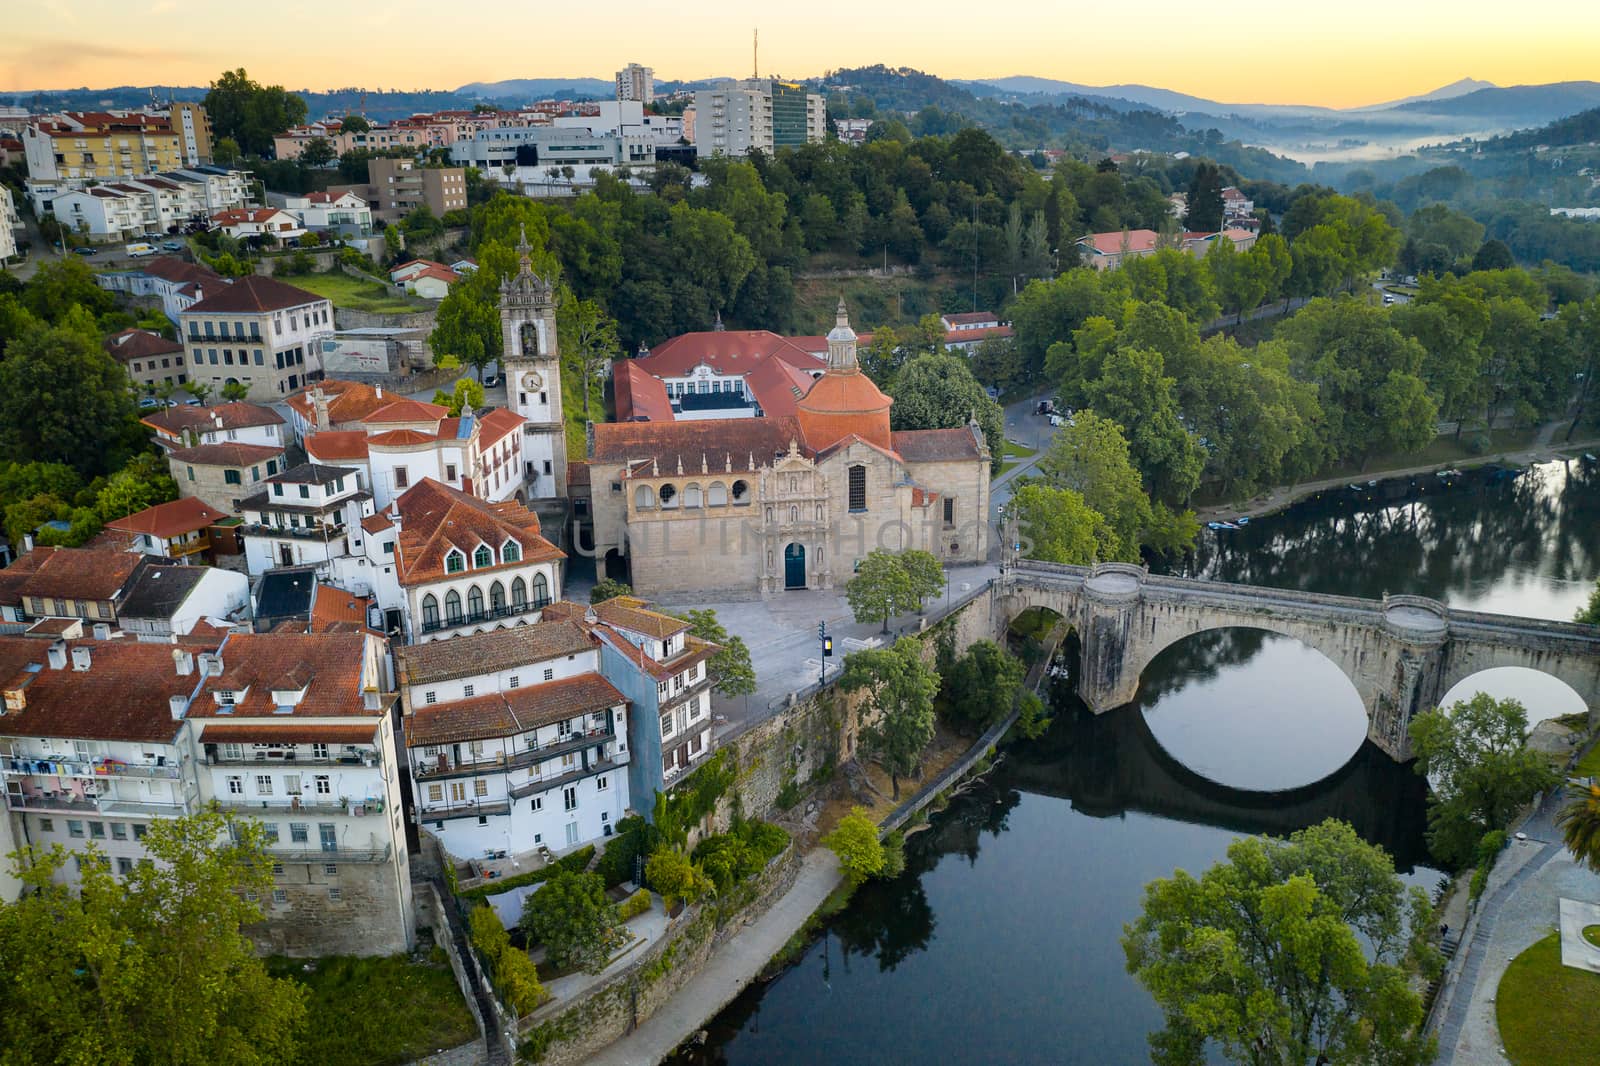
(226, 695)
(482, 557)
(454, 562)
(510, 552)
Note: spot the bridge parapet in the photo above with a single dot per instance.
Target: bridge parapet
(1416, 619)
(1119, 583)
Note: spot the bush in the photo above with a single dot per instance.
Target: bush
(576, 862)
(855, 841)
(634, 905)
(672, 874)
(486, 932)
(741, 853)
(635, 837)
(574, 920)
(514, 974)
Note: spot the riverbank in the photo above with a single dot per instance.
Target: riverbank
(1285, 495)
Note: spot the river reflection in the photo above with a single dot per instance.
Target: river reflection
(1000, 943)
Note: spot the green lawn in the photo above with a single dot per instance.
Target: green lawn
(357, 295)
(1589, 765)
(378, 1011)
(1012, 454)
(1591, 933)
(1548, 1013)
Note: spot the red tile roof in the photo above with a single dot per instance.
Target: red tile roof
(734, 351)
(226, 454)
(172, 421)
(254, 294)
(495, 424)
(631, 613)
(842, 402)
(81, 574)
(214, 732)
(167, 268)
(400, 438)
(778, 386)
(336, 445)
(971, 318)
(436, 518)
(348, 401)
(13, 577)
(639, 395)
(327, 666)
(492, 652)
(407, 410)
(715, 446)
(1139, 240)
(139, 344)
(173, 519)
(126, 694)
(518, 710)
(938, 445)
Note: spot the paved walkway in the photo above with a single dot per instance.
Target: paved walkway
(1520, 907)
(732, 968)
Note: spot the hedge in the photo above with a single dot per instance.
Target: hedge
(634, 905)
(577, 862)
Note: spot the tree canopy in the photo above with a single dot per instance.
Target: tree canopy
(899, 688)
(249, 113)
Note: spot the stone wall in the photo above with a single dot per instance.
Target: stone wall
(323, 261)
(369, 918)
(560, 1034)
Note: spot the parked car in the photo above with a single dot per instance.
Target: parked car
(140, 249)
(1045, 407)
(148, 402)
(192, 402)
(172, 246)
(86, 250)
(492, 381)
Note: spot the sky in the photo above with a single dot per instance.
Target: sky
(1345, 54)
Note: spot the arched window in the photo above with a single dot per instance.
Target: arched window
(717, 495)
(691, 495)
(454, 562)
(475, 602)
(497, 597)
(541, 590)
(644, 497)
(510, 552)
(858, 488)
(669, 496)
(530, 339)
(452, 607)
(482, 557)
(430, 611)
(741, 492)
(519, 593)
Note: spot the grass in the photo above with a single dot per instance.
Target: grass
(1589, 765)
(378, 1011)
(358, 295)
(1012, 454)
(1591, 933)
(1547, 1012)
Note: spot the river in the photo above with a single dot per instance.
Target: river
(1000, 943)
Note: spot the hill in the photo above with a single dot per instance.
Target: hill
(1516, 105)
(528, 89)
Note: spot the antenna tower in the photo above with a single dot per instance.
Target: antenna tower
(755, 53)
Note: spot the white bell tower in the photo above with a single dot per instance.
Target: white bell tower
(531, 370)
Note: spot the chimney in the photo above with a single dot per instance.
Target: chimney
(210, 664)
(102, 631)
(369, 699)
(183, 661)
(319, 408)
(378, 390)
(179, 705)
(57, 655)
(80, 659)
(27, 543)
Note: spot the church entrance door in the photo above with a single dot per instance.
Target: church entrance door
(794, 566)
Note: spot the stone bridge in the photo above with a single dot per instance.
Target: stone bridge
(1403, 653)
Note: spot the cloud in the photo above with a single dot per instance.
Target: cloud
(55, 63)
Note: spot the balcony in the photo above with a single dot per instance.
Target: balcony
(324, 533)
(259, 805)
(72, 803)
(215, 757)
(334, 855)
(546, 782)
(488, 614)
(20, 767)
(449, 810)
(443, 767)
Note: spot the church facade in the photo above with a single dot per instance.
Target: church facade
(757, 506)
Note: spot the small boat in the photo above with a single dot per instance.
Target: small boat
(1229, 525)
(1372, 484)
(1358, 488)
(1452, 472)
(1216, 525)
(1588, 457)
(1244, 520)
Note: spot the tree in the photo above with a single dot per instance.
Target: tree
(997, 363)
(150, 965)
(465, 393)
(1493, 255)
(1287, 952)
(354, 124)
(1204, 213)
(731, 671)
(225, 152)
(1590, 612)
(899, 689)
(939, 392)
(250, 113)
(143, 483)
(880, 589)
(571, 916)
(198, 389)
(671, 873)
(1474, 756)
(1056, 526)
(63, 399)
(63, 286)
(982, 685)
(235, 391)
(317, 152)
(1091, 458)
(1134, 392)
(609, 588)
(588, 342)
(855, 841)
(925, 572)
(1579, 822)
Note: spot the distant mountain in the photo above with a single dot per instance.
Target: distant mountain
(1138, 95)
(1516, 105)
(539, 88)
(1447, 92)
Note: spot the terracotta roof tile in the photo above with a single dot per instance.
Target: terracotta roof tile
(126, 694)
(254, 294)
(336, 445)
(80, 574)
(630, 613)
(436, 518)
(844, 401)
(1139, 240)
(733, 351)
(491, 652)
(778, 387)
(937, 445)
(376, 523)
(639, 395)
(327, 666)
(495, 423)
(407, 410)
(723, 445)
(400, 438)
(214, 732)
(348, 401)
(140, 344)
(226, 454)
(517, 710)
(166, 520)
(174, 420)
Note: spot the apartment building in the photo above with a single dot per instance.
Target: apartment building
(516, 741)
(151, 203)
(148, 358)
(395, 187)
(303, 516)
(636, 83)
(10, 221)
(259, 332)
(101, 144)
(757, 113)
(325, 210)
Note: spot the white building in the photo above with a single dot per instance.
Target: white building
(308, 514)
(267, 222)
(164, 200)
(258, 331)
(757, 113)
(224, 423)
(636, 83)
(9, 222)
(179, 285)
(516, 741)
(326, 210)
(167, 601)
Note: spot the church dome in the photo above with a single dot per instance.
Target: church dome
(844, 400)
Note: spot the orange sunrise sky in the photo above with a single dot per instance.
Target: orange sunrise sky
(1338, 55)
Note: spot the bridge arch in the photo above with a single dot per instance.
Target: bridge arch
(1544, 695)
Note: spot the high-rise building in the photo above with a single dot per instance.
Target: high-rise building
(757, 113)
(636, 83)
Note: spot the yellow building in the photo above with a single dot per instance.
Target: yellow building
(98, 144)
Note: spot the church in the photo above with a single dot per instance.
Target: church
(747, 507)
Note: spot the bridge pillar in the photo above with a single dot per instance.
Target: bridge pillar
(1412, 673)
(1112, 596)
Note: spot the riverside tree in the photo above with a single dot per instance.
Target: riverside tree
(571, 916)
(1474, 754)
(899, 687)
(1288, 952)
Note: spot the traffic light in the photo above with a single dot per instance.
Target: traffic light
(827, 646)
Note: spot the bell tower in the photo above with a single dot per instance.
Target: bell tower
(530, 368)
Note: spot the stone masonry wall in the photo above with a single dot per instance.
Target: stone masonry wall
(365, 920)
